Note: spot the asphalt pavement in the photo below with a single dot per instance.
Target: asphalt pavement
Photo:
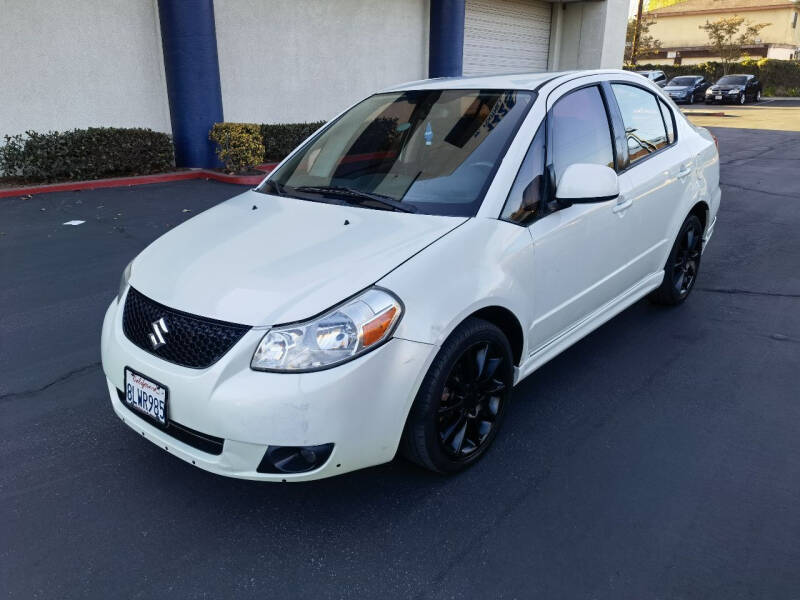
(657, 458)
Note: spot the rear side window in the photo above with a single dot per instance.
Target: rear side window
(644, 124)
(670, 124)
(580, 131)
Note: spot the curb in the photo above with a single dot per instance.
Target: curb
(703, 113)
(73, 186)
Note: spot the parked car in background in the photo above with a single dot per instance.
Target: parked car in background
(657, 77)
(687, 88)
(736, 89)
(392, 280)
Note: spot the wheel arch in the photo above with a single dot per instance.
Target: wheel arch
(508, 323)
(701, 211)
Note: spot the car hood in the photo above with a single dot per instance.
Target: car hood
(261, 260)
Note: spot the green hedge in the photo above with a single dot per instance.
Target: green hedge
(85, 154)
(778, 77)
(239, 145)
(281, 138)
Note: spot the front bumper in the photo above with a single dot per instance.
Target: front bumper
(726, 99)
(360, 406)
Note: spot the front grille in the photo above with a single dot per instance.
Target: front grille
(188, 340)
(202, 441)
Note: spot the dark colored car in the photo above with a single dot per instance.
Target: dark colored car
(734, 89)
(687, 88)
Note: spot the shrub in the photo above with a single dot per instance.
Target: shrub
(281, 138)
(85, 154)
(239, 145)
(778, 77)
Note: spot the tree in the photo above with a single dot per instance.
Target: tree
(729, 35)
(645, 43)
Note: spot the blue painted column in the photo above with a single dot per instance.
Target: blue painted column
(189, 40)
(446, 40)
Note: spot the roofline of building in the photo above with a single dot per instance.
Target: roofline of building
(664, 13)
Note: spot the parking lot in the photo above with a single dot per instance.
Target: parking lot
(657, 458)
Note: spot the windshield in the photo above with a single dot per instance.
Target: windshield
(682, 81)
(733, 80)
(427, 151)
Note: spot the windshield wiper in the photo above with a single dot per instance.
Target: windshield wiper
(354, 196)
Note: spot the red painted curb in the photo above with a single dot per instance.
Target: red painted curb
(72, 186)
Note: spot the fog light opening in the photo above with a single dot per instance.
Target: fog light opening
(294, 459)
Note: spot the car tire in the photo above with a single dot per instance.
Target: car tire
(462, 400)
(758, 96)
(691, 99)
(683, 265)
(742, 98)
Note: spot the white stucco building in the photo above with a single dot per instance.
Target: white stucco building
(132, 62)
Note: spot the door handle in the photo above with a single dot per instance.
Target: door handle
(684, 172)
(622, 204)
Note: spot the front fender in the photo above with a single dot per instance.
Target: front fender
(483, 263)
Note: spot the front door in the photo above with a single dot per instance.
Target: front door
(580, 252)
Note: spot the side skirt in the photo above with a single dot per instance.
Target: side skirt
(586, 325)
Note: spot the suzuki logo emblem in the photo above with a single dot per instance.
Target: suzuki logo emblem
(157, 337)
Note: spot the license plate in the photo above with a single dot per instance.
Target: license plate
(718, 97)
(146, 396)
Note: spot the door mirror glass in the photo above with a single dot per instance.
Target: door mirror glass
(582, 183)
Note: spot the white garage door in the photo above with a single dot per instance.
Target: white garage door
(506, 36)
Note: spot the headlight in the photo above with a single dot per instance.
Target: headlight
(341, 334)
(123, 282)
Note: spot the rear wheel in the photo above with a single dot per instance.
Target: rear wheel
(758, 96)
(683, 264)
(462, 400)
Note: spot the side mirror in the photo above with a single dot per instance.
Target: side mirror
(583, 183)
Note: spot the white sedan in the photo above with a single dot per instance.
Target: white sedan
(393, 278)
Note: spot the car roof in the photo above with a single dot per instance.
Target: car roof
(505, 81)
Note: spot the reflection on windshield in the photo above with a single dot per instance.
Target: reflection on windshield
(682, 81)
(733, 80)
(434, 151)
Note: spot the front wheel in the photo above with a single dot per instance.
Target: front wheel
(758, 96)
(683, 264)
(462, 400)
(742, 98)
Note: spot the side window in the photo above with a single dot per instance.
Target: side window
(525, 198)
(641, 115)
(668, 121)
(580, 131)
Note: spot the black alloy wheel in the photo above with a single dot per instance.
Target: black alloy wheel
(687, 261)
(683, 264)
(462, 400)
(472, 399)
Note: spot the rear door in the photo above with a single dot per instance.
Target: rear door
(656, 173)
